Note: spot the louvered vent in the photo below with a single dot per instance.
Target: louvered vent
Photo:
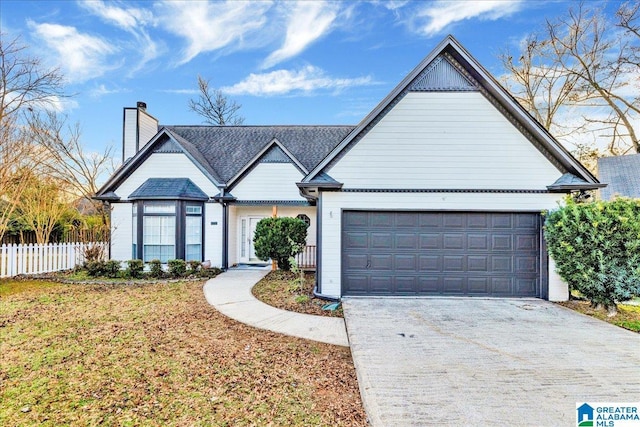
(442, 76)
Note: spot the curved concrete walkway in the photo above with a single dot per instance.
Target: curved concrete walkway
(230, 293)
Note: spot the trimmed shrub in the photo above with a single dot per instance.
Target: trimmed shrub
(95, 268)
(155, 269)
(177, 268)
(112, 268)
(194, 266)
(135, 268)
(596, 248)
(279, 239)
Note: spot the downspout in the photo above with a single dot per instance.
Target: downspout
(225, 235)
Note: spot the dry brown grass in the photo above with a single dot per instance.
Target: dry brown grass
(159, 355)
(628, 316)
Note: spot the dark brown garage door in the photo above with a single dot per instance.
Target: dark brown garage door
(441, 253)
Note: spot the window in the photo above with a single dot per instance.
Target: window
(304, 218)
(159, 231)
(193, 233)
(167, 230)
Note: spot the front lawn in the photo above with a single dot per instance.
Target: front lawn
(628, 316)
(158, 354)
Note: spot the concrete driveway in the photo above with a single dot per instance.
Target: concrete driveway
(477, 362)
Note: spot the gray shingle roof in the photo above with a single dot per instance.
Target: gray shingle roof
(227, 149)
(622, 173)
(168, 188)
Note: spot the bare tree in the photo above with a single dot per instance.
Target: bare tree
(215, 106)
(581, 65)
(66, 160)
(24, 84)
(538, 83)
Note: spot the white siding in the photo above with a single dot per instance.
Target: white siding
(237, 212)
(269, 181)
(446, 141)
(213, 233)
(121, 231)
(334, 203)
(148, 127)
(166, 165)
(130, 133)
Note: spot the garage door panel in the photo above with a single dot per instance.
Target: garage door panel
(356, 240)
(407, 219)
(502, 264)
(381, 284)
(454, 220)
(501, 242)
(382, 220)
(405, 262)
(429, 285)
(356, 262)
(526, 242)
(441, 253)
(453, 284)
(478, 220)
(453, 241)
(479, 285)
(478, 263)
(381, 262)
(431, 263)
(381, 240)
(453, 263)
(407, 241)
(431, 220)
(478, 242)
(430, 240)
(406, 284)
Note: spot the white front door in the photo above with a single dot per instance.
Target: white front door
(247, 231)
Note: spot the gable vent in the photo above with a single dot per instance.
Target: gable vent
(275, 155)
(168, 146)
(442, 76)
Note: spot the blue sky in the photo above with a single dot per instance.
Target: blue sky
(286, 62)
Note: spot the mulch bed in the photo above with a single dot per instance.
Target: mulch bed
(278, 289)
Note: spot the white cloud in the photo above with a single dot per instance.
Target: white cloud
(102, 90)
(132, 20)
(442, 13)
(127, 18)
(180, 91)
(208, 26)
(306, 22)
(80, 56)
(281, 82)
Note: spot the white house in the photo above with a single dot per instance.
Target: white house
(438, 191)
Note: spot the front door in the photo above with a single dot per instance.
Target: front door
(247, 231)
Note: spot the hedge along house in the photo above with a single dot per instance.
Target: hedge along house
(438, 191)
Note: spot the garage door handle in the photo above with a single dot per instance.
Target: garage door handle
(368, 264)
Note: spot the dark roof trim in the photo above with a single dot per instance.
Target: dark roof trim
(108, 197)
(220, 197)
(123, 172)
(168, 189)
(569, 182)
(441, 190)
(453, 47)
(271, 203)
(323, 185)
(256, 159)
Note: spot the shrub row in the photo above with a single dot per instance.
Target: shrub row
(177, 268)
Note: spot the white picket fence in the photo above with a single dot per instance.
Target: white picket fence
(35, 259)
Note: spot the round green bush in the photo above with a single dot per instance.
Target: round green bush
(279, 239)
(596, 248)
